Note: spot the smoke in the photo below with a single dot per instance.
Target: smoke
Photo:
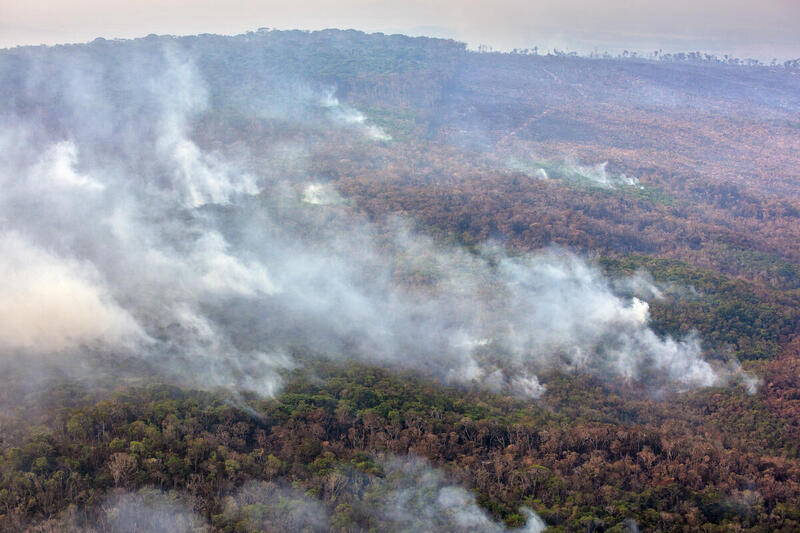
(415, 497)
(148, 510)
(571, 171)
(321, 194)
(351, 116)
(49, 303)
(407, 495)
(122, 233)
(199, 178)
(597, 174)
(272, 508)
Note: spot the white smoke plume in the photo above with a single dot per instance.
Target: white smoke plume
(352, 117)
(198, 177)
(571, 171)
(120, 232)
(321, 194)
(597, 174)
(415, 497)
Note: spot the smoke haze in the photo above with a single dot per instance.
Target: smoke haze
(754, 29)
(122, 233)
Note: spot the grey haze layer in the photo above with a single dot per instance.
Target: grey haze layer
(763, 29)
(122, 234)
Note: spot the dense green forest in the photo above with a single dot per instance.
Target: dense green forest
(332, 281)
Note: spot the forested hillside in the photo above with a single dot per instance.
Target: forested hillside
(313, 281)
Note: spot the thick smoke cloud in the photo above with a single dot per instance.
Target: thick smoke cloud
(121, 233)
(50, 303)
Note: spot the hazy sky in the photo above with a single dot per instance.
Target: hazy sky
(753, 28)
